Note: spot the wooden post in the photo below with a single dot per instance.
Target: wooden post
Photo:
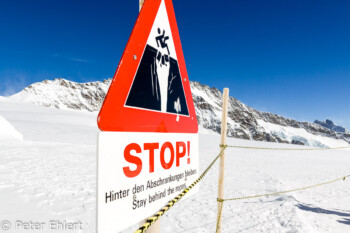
(155, 228)
(222, 158)
(141, 4)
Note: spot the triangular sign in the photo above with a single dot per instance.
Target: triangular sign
(150, 91)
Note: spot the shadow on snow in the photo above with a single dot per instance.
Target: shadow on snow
(318, 210)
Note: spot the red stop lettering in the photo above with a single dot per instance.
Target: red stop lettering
(151, 147)
(167, 145)
(180, 154)
(132, 159)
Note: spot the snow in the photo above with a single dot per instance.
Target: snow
(291, 133)
(48, 124)
(203, 130)
(205, 95)
(64, 94)
(7, 131)
(51, 175)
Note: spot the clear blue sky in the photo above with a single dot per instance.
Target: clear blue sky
(287, 57)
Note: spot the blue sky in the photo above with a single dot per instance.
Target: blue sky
(286, 57)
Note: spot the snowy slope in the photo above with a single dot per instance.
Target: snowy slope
(7, 131)
(244, 122)
(301, 136)
(51, 175)
(64, 94)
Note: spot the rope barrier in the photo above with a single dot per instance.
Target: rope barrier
(270, 194)
(282, 192)
(171, 203)
(270, 148)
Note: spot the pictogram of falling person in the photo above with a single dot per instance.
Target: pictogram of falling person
(157, 84)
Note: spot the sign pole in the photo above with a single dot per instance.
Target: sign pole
(222, 158)
(155, 228)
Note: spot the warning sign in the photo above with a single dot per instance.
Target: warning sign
(157, 84)
(150, 91)
(149, 151)
(138, 173)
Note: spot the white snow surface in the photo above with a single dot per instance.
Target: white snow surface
(7, 131)
(51, 175)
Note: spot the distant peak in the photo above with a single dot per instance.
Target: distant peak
(329, 124)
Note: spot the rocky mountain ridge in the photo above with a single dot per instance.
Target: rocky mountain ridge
(330, 125)
(244, 122)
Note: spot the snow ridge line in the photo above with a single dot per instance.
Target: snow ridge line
(171, 203)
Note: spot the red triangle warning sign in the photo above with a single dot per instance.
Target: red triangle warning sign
(150, 91)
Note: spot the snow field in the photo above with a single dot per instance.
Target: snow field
(44, 181)
(252, 172)
(7, 131)
(51, 175)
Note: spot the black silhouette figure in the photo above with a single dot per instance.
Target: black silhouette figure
(145, 91)
(162, 40)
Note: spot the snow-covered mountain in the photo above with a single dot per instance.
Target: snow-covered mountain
(330, 125)
(64, 94)
(244, 122)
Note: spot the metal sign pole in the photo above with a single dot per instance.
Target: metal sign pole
(222, 158)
